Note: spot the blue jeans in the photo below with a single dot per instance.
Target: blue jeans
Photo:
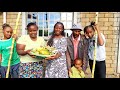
(14, 71)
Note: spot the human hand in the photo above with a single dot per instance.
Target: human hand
(33, 56)
(14, 36)
(79, 68)
(69, 71)
(96, 27)
(50, 58)
(28, 52)
(85, 72)
(86, 36)
(53, 57)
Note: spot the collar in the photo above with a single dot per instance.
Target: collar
(77, 38)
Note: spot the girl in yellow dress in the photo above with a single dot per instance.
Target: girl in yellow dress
(76, 70)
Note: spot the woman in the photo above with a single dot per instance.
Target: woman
(57, 66)
(30, 67)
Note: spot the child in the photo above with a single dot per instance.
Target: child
(5, 48)
(100, 66)
(77, 69)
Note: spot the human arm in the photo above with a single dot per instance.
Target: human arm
(68, 61)
(15, 36)
(21, 50)
(61, 49)
(0, 55)
(53, 57)
(100, 39)
(0, 58)
(81, 72)
(85, 54)
(21, 45)
(71, 74)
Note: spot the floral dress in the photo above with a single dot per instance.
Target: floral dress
(31, 70)
(58, 68)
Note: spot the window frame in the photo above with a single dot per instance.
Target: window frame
(118, 52)
(24, 22)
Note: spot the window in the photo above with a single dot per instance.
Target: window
(118, 50)
(46, 21)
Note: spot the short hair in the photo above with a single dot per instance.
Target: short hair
(31, 24)
(78, 59)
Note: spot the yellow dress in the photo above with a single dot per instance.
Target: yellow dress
(76, 74)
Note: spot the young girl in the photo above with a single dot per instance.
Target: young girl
(57, 66)
(77, 69)
(5, 48)
(100, 67)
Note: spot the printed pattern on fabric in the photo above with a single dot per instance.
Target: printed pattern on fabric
(58, 68)
(31, 70)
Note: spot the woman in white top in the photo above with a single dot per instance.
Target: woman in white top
(100, 67)
(30, 67)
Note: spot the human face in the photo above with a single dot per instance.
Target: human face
(58, 29)
(90, 32)
(76, 33)
(78, 64)
(32, 31)
(7, 32)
